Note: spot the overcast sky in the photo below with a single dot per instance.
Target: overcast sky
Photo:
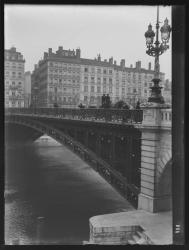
(116, 31)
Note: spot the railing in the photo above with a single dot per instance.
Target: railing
(108, 115)
(166, 117)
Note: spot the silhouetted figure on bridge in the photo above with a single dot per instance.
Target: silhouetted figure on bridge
(138, 105)
(81, 106)
(108, 102)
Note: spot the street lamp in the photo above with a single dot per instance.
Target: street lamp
(156, 50)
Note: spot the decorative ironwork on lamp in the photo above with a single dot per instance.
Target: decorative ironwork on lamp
(156, 49)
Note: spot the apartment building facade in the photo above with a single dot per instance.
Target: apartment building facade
(64, 79)
(27, 89)
(14, 78)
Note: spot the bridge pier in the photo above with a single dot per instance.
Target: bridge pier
(155, 194)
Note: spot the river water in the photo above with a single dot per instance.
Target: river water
(50, 194)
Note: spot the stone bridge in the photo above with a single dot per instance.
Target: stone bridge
(130, 149)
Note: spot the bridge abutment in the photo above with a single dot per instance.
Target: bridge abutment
(155, 194)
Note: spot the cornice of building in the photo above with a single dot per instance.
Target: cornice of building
(73, 59)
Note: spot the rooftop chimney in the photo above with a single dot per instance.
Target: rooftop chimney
(138, 65)
(99, 57)
(13, 49)
(114, 62)
(122, 63)
(50, 51)
(149, 65)
(78, 53)
(111, 60)
(45, 55)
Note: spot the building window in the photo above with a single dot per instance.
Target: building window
(98, 71)
(85, 98)
(85, 79)
(145, 91)
(92, 79)
(13, 83)
(86, 70)
(92, 99)
(98, 80)
(110, 80)
(110, 89)
(98, 89)
(85, 88)
(104, 71)
(110, 71)
(92, 89)
(104, 80)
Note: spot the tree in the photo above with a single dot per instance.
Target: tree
(121, 105)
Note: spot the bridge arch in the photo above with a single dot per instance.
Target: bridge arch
(98, 164)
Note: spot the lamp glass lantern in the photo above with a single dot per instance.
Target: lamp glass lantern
(165, 31)
(149, 34)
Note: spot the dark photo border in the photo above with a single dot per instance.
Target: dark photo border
(180, 81)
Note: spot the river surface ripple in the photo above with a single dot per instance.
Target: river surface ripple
(49, 181)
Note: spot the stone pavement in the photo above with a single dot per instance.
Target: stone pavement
(157, 226)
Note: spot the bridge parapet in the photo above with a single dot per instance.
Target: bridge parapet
(104, 115)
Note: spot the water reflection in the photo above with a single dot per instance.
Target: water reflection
(47, 180)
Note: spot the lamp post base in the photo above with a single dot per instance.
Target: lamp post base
(156, 95)
(158, 99)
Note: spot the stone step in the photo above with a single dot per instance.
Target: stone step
(143, 236)
(131, 242)
(139, 238)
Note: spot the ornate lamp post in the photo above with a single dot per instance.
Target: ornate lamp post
(156, 50)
